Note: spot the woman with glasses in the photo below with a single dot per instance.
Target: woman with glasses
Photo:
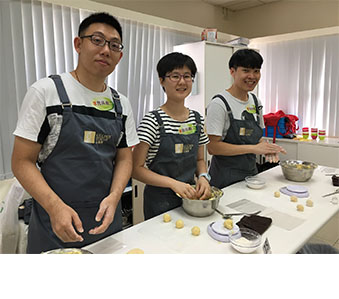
(172, 139)
(80, 132)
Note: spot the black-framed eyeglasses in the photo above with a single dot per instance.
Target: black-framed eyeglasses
(101, 42)
(176, 77)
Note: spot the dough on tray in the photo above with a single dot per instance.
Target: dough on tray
(294, 198)
(195, 231)
(300, 208)
(135, 251)
(179, 224)
(276, 194)
(167, 217)
(228, 223)
(309, 203)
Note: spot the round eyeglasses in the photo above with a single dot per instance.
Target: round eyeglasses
(177, 77)
(101, 42)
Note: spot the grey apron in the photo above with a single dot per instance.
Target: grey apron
(176, 158)
(79, 170)
(226, 170)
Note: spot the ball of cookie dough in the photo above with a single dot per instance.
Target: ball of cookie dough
(135, 251)
(294, 198)
(179, 224)
(195, 231)
(309, 203)
(300, 208)
(228, 223)
(276, 194)
(167, 217)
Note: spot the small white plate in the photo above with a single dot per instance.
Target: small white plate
(219, 228)
(296, 189)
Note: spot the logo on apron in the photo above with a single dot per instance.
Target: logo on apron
(187, 129)
(251, 109)
(245, 132)
(181, 148)
(102, 104)
(95, 138)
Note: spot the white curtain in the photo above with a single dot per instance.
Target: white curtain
(37, 40)
(301, 77)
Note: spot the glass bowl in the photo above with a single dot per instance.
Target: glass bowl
(247, 241)
(255, 182)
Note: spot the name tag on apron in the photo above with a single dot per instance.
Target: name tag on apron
(102, 104)
(251, 109)
(187, 129)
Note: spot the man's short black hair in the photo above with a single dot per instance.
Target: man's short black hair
(174, 61)
(100, 17)
(246, 58)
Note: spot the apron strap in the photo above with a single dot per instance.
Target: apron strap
(257, 107)
(228, 108)
(117, 103)
(198, 121)
(160, 122)
(65, 102)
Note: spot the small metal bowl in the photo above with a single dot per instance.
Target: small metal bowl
(203, 208)
(297, 171)
(68, 251)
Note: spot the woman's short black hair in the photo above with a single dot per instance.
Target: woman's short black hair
(100, 17)
(174, 61)
(248, 58)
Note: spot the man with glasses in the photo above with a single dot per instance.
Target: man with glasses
(80, 133)
(172, 138)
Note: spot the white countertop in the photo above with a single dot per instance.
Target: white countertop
(328, 141)
(155, 236)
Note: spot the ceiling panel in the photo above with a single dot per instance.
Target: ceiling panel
(235, 5)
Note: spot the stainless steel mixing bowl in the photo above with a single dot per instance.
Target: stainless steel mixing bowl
(297, 171)
(202, 208)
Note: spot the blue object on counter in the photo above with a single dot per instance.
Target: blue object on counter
(270, 129)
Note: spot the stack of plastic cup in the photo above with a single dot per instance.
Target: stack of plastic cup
(314, 133)
(322, 134)
(305, 133)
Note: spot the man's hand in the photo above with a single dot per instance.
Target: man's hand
(272, 158)
(106, 212)
(265, 147)
(63, 220)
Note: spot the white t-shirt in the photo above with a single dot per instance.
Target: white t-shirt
(42, 97)
(217, 119)
(149, 130)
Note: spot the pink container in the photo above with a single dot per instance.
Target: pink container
(305, 132)
(322, 134)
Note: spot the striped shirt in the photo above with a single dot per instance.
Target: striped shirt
(149, 131)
